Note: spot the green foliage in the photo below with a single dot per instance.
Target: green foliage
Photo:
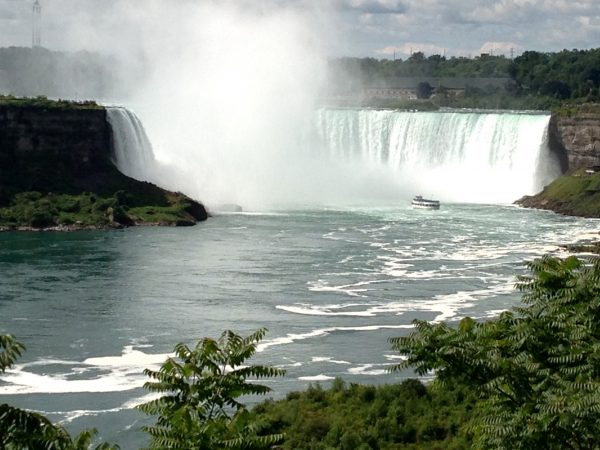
(371, 69)
(534, 80)
(10, 350)
(408, 415)
(26, 430)
(159, 214)
(424, 90)
(575, 194)
(536, 369)
(35, 210)
(201, 409)
(46, 103)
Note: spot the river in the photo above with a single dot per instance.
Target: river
(331, 285)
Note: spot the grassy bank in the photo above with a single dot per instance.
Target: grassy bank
(34, 210)
(575, 194)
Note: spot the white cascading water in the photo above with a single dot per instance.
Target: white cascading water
(133, 154)
(455, 156)
(369, 156)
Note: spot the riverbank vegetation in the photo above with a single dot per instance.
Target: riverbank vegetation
(34, 210)
(527, 379)
(576, 194)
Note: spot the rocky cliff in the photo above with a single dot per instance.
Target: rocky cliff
(61, 152)
(576, 137)
(52, 149)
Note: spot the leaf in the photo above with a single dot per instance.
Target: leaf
(203, 385)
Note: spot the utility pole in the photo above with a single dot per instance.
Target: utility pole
(36, 36)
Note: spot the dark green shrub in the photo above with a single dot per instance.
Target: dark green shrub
(41, 218)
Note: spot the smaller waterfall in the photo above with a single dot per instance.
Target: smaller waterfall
(133, 154)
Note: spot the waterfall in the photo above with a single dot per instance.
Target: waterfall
(346, 156)
(456, 156)
(133, 153)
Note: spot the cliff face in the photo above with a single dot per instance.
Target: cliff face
(578, 138)
(60, 150)
(575, 139)
(56, 171)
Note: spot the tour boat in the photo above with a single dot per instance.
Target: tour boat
(424, 203)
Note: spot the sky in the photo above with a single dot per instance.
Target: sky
(375, 28)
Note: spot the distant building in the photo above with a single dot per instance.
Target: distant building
(406, 87)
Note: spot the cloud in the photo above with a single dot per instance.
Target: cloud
(375, 6)
(503, 48)
(468, 27)
(13, 9)
(352, 27)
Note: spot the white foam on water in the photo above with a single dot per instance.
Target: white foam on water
(352, 289)
(30, 383)
(290, 338)
(70, 416)
(490, 314)
(129, 358)
(328, 359)
(114, 374)
(395, 357)
(369, 369)
(130, 404)
(310, 310)
(295, 364)
(448, 306)
(320, 377)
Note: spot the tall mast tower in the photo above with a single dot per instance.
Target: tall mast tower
(36, 36)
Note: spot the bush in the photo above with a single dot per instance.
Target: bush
(41, 218)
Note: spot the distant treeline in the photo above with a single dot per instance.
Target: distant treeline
(535, 78)
(33, 72)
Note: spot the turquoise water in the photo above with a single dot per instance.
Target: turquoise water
(95, 308)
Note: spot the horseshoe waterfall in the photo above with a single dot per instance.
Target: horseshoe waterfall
(352, 156)
(456, 156)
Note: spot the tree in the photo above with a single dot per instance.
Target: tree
(417, 57)
(556, 88)
(536, 369)
(201, 409)
(26, 430)
(424, 90)
(10, 350)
